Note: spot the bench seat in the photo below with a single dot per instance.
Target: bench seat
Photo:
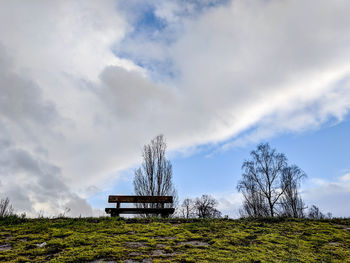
(134, 210)
(160, 200)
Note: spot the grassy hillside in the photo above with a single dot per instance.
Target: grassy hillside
(157, 240)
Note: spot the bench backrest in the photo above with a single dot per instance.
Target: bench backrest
(139, 199)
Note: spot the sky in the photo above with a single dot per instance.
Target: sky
(85, 84)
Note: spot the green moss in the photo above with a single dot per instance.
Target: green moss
(169, 240)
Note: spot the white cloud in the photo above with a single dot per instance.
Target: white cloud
(71, 105)
(345, 177)
(329, 196)
(229, 203)
(267, 64)
(48, 52)
(35, 185)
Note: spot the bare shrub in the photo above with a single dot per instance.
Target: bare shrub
(205, 207)
(6, 208)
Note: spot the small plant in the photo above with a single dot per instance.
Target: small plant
(64, 213)
(315, 213)
(6, 208)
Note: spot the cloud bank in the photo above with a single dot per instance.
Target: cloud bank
(84, 84)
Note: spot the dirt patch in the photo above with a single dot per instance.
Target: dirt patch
(298, 233)
(62, 236)
(160, 246)
(135, 244)
(345, 227)
(195, 243)
(102, 261)
(160, 252)
(334, 243)
(5, 247)
(165, 238)
(41, 244)
(146, 260)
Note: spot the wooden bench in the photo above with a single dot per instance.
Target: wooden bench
(160, 200)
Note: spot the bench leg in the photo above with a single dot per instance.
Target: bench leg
(113, 214)
(164, 215)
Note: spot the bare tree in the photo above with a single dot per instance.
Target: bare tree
(205, 207)
(269, 186)
(6, 208)
(254, 203)
(154, 177)
(315, 213)
(186, 210)
(291, 203)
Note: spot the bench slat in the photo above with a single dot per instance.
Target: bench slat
(139, 199)
(139, 210)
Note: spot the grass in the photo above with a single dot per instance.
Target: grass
(174, 240)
